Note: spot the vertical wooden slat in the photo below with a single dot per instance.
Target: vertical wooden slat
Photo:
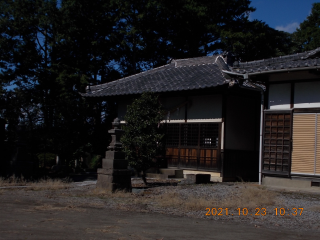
(303, 143)
(317, 167)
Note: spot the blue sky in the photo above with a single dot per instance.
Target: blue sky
(284, 15)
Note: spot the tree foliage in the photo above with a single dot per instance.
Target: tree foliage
(307, 36)
(50, 50)
(254, 40)
(151, 31)
(143, 139)
(49, 56)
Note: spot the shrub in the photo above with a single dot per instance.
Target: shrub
(142, 139)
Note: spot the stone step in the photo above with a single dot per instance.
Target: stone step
(168, 171)
(174, 172)
(159, 176)
(180, 173)
(215, 177)
(198, 178)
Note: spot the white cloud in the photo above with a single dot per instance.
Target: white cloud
(290, 28)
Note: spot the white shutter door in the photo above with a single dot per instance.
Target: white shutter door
(317, 170)
(303, 143)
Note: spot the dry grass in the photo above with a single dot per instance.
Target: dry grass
(175, 200)
(49, 207)
(243, 197)
(251, 197)
(105, 229)
(102, 193)
(43, 184)
(12, 181)
(247, 198)
(49, 184)
(315, 208)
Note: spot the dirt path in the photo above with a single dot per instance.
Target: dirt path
(25, 219)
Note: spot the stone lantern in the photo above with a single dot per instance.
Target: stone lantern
(114, 174)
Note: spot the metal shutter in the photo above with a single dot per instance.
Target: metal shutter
(317, 170)
(304, 140)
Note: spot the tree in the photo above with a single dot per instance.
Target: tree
(50, 50)
(150, 32)
(254, 40)
(142, 139)
(307, 36)
(50, 55)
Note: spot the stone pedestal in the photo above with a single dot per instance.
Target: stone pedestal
(114, 174)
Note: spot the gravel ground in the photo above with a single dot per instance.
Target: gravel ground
(163, 197)
(283, 211)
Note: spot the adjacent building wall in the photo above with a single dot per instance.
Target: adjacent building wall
(279, 96)
(303, 98)
(306, 94)
(205, 107)
(174, 107)
(199, 108)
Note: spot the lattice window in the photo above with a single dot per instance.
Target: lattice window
(193, 145)
(193, 134)
(277, 143)
(173, 134)
(205, 135)
(189, 134)
(209, 135)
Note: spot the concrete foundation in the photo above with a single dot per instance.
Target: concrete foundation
(286, 182)
(158, 175)
(172, 172)
(181, 173)
(113, 180)
(215, 177)
(198, 178)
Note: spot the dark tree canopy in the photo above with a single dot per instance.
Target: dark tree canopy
(49, 56)
(51, 50)
(151, 31)
(254, 40)
(307, 36)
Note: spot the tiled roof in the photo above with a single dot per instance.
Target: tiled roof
(295, 61)
(178, 75)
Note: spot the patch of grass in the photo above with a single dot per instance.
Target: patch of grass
(103, 193)
(43, 184)
(121, 198)
(315, 208)
(251, 197)
(49, 207)
(173, 199)
(300, 195)
(12, 181)
(243, 197)
(49, 184)
(246, 198)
